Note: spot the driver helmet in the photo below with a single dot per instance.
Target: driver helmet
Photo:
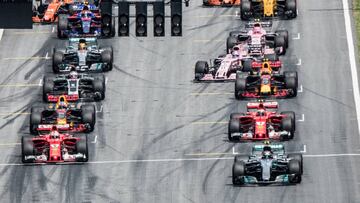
(267, 154)
(62, 103)
(82, 45)
(235, 53)
(260, 112)
(54, 133)
(257, 28)
(73, 75)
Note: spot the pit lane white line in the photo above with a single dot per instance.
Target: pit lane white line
(351, 49)
(298, 36)
(302, 118)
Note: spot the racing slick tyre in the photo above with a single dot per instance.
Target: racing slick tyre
(35, 119)
(57, 59)
(201, 68)
(285, 34)
(299, 158)
(234, 33)
(292, 84)
(290, 6)
(295, 171)
(239, 158)
(107, 56)
(288, 125)
(246, 65)
(62, 26)
(280, 42)
(41, 11)
(234, 127)
(240, 87)
(235, 115)
(48, 87)
(245, 10)
(206, 3)
(271, 57)
(291, 74)
(291, 115)
(231, 41)
(27, 148)
(238, 172)
(82, 148)
(88, 116)
(99, 86)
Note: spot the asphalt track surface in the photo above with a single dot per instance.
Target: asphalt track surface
(162, 138)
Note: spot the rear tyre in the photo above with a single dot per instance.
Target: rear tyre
(231, 41)
(48, 87)
(88, 116)
(238, 172)
(245, 10)
(99, 87)
(201, 68)
(288, 125)
(240, 87)
(35, 119)
(291, 84)
(107, 57)
(299, 158)
(280, 42)
(82, 147)
(271, 57)
(295, 171)
(246, 65)
(285, 34)
(57, 59)
(233, 127)
(27, 148)
(62, 26)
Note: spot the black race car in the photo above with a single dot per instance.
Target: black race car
(267, 164)
(74, 86)
(83, 54)
(267, 9)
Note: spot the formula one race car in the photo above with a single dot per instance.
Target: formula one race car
(267, 164)
(83, 54)
(54, 147)
(74, 86)
(262, 122)
(221, 2)
(48, 11)
(266, 83)
(258, 40)
(86, 24)
(65, 116)
(267, 9)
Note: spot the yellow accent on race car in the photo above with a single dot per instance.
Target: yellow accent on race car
(269, 6)
(61, 121)
(265, 89)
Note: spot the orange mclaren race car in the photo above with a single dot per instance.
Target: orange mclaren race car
(221, 2)
(48, 10)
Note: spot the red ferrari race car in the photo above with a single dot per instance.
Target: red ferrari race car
(221, 2)
(47, 11)
(266, 83)
(259, 40)
(65, 116)
(262, 122)
(54, 147)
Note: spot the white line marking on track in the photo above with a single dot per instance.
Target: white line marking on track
(47, 55)
(94, 140)
(304, 150)
(299, 62)
(53, 29)
(106, 80)
(233, 150)
(236, 13)
(302, 118)
(40, 82)
(297, 37)
(101, 109)
(300, 89)
(351, 49)
(1, 33)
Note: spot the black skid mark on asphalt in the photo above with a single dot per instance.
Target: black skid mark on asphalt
(328, 98)
(201, 89)
(133, 76)
(209, 172)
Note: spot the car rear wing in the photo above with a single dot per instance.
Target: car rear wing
(263, 105)
(264, 24)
